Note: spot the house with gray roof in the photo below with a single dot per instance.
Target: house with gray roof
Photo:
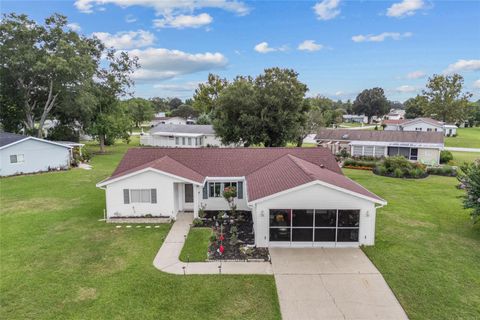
(418, 146)
(181, 136)
(21, 154)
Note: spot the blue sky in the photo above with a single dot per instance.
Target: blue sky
(338, 47)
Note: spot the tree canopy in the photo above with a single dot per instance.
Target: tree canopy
(414, 107)
(371, 102)
(268, 110)
(206, 95)
(141, 110)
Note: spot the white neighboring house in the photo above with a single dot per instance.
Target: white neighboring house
(424, 147)
(162, 119)
(353, 118)
(298, 197)
(420, 124)
(395, 114)
(23, 154)
(181, 136)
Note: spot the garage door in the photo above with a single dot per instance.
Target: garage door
(316, 227)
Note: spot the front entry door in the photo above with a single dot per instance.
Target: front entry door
(188, 196)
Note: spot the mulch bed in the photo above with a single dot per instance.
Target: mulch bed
(223, 247)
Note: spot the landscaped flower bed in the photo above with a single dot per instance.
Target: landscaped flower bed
(232, 236)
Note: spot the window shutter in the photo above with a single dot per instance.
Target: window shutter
(154, 196)
(205, 191)
(240, 189)
(126, 196)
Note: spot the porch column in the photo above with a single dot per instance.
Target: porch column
(195, 200)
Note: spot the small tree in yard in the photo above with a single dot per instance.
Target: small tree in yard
(470, 179)
(229, 193)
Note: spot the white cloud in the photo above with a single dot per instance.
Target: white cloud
(126, 39)
(167, 7)
(183, 21)
(406, 89)
(405, 8)
(129, 18)
(463, 65)
(263, 47)
(160, 63)
(74, 27)
(381, 37)
(418, 74)
(176, 87)
(309, 45)
(476, 84)
(327, 9)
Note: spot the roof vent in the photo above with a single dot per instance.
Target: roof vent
(321, 165)
(345, 136)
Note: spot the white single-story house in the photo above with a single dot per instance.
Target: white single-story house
(418, 146)
(351, 118)
(297, 196)
(420, 124)
(395, 114)
(23, 154)
(170, 120)
(181, 136)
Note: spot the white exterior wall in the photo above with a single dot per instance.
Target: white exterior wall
(422, 125)
(165, 205)
(315, 197)
(156, 140)
(391, 127)
(212, 140)
(38, 156)
(429, 156)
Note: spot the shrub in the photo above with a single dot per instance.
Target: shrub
(448, 171)
(197, 222)
(445, 156)
(350, 162)
(400, 167)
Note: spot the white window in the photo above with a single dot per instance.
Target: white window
(430, 129)
(379, 151)
(189, 141)
(418, 129)
(183, 140)
(215, 189)
(230, 184)
(17, 158)
(177, 141)
(140, 195)
(357, 151)
(368, 151)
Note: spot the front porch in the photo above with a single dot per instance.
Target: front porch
(186, 198)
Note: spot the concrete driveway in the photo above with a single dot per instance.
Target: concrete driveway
(340, 283)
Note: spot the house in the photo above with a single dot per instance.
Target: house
(171, 120)
(420, 124)
(181, 136)
(395, 114)
(423, 147)
(351, 118)
(21, 154)
(296, 196)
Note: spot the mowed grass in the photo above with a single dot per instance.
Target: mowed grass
(59, 262)
(460, 157)
(426, 246)
(466, 138)
(195, 248)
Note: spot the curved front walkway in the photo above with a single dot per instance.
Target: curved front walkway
(167, 260)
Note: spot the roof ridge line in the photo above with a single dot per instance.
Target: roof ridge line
(304, 169)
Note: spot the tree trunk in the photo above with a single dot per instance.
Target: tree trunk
(47, 108)
(101, 139)
(299, 142)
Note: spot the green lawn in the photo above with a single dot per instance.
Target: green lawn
(461, 157)
(195, 248)
(466, 138)
(426, 246)
(59, 262)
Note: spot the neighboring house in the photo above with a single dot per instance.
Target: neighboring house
(297, 196)
(423, 147)
(22, 154)
(420, 124)
(181, 136)
(171, 120)
(395, 114)
(350, 118)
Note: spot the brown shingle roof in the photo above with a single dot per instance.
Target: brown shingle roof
(289, 171)
(374, 135)
(267, 170)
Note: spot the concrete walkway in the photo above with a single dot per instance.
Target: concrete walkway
(167, 260)
(339, 283)
(462, 149)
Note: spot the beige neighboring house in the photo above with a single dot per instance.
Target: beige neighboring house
(418, 146)
(181, 136)
(420, 124)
